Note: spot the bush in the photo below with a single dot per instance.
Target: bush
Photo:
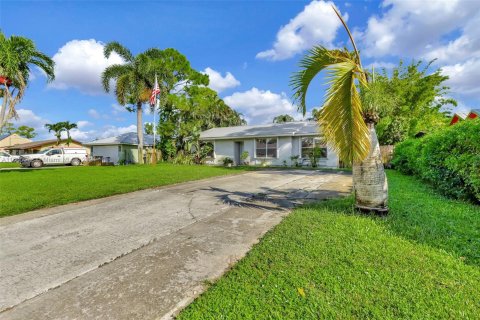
(448, 159)
(227, 161)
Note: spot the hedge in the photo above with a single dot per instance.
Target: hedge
(448, 159)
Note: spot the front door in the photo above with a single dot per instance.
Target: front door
(238, 149)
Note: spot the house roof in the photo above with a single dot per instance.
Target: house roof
(129, 138)
(33, 144)
(288, 129)
(475, 111)
(3, 136)
(461, 114)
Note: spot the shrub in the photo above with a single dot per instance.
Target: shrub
(227, 161)
(448, 159)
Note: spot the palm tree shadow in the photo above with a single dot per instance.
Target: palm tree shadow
(272, 199)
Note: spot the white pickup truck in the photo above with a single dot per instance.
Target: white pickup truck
(57, 156)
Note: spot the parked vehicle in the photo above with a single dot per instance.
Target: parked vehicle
(6, 157)
(57, 156)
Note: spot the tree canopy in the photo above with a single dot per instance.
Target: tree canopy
(283, 118)
(407, 100)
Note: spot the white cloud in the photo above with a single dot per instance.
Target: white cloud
(220, 83)
(28, 118)
(261, 106)
(316, 24)
(83, 123)
(94, 114)
(414, 28)
(79, 64)
(112, 131)
(464, 77)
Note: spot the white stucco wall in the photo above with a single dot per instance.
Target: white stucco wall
(286, 148)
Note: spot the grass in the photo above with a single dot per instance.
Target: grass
(325, 261)
(24, 190)
(9, 165)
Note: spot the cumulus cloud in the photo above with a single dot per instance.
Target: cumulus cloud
(261, 106)
(464, 77)
(27, 117)
(79, 65)
(220, 83)
(410, 28)
(316, 24)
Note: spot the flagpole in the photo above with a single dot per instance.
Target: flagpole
(154, 154)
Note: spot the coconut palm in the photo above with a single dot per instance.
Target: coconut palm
(67, 125)
(346, 125)
(17, 54)
(132, 85)
(57, 128)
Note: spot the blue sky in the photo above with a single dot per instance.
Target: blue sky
(249, 49)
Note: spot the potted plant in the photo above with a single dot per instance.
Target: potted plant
(227, 162)
(244, 156)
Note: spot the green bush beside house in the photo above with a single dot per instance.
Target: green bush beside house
(448, 159)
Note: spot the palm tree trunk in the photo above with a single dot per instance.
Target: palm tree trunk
(140, 132)
(369, 179)
(4, 108)
(68, 138)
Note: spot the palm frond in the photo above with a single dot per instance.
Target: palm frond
(312, 64)
(122, 51)
(341, 116)
(113, 72)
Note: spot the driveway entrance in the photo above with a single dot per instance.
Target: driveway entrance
(143, 255)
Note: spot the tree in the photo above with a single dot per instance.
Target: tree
(8, 128)
(134, 79)
(16, 56)
(283, 118)
(26, 132)
(57, 128)
(67, 125)
(349, 128)
(409, 99)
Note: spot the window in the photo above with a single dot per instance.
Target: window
(309, 144)
(119, 148)
(266, 148)
(54, 152)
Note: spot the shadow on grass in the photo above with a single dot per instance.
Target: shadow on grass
(418, 213)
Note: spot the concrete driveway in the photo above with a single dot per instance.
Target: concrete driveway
(143, 255)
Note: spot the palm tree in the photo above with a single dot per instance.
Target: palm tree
(346, 125)
(67, 125)
(131, 83)
(17, 54)
(57, 128)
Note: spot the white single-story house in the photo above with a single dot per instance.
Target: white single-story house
(122, 148)
(270, 144)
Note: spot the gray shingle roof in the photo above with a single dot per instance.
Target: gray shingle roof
(298, 128)
(126, 138)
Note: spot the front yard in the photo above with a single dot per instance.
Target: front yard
(324, 261)
(24, 190)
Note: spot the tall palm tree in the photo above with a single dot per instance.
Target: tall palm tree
(57, 128)
(346, 125)
(132, 85)
(67, 125)
(17, 54)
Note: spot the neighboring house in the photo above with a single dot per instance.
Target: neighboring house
(37, 146)
(462, 115)
(122, 148)
(8, 140)
(270, 144)
(474, 113)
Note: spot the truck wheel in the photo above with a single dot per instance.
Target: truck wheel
(75, 162)
(36, 163)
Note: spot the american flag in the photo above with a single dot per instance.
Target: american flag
(155, 92)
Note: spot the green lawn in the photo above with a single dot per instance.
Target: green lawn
(24, 190)
(325, 261)
(9, 165)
